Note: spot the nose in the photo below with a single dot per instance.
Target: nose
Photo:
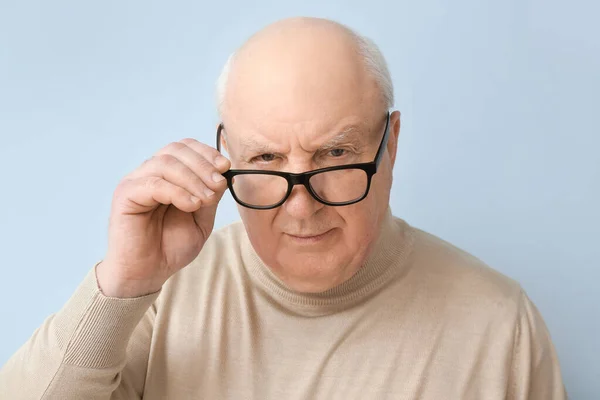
(301, 204)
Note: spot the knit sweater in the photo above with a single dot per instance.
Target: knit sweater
(421, 319)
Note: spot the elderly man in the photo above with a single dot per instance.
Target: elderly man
(321, 293)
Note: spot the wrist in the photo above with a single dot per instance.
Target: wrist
(110, 285)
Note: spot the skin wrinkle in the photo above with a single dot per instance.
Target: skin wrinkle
(348, 136)
(295, 102)
(350, 140)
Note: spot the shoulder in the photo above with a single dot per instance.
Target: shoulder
(463, 282)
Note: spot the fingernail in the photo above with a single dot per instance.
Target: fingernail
(217, 177)
(194, 199)
(208, 192)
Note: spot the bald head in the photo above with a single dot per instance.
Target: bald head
(307, 64)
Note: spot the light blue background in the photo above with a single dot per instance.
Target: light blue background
(498, 150)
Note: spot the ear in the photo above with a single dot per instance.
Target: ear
(392, 144)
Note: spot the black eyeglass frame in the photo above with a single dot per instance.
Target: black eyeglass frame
(303, 178)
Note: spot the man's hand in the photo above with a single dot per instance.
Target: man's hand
(161, 216)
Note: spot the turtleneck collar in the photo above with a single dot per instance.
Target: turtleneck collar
(385, 262)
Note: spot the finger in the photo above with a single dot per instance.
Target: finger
(171, 169)
(199, 161)
(209, 153)
(148, 192)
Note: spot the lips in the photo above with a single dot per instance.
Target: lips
(306, 236)
(309, 236)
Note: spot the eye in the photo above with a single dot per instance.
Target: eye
(266, 157)
(337, 152)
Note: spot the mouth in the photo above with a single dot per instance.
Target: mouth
(309, 237)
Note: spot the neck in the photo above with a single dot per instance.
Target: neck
(385, 261)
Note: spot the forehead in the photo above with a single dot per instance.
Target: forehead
(310, 117)
(315, 84)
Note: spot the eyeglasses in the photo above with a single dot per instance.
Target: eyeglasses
(340, 185)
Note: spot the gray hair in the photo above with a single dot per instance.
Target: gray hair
(369, 51)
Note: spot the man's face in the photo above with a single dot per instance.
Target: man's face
(299, 118)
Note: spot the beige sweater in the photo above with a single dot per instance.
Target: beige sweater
(421, 320)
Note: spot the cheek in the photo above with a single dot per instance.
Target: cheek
(360, 222)
(258, 223)
(381, 184)
(361, 219)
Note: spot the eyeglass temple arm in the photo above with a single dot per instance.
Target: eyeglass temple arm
(219, 129)
(384, 140)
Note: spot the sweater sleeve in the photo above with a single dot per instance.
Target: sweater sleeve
(95, 347)
(535, 372)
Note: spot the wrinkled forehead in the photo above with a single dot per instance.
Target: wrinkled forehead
(275, 87)
(266, 138)
(277, 112)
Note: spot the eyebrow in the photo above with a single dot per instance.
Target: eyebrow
(349, 135)
(251, 144)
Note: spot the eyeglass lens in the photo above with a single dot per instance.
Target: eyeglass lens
(337, 186)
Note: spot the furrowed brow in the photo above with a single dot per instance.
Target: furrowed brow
(350, 135)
